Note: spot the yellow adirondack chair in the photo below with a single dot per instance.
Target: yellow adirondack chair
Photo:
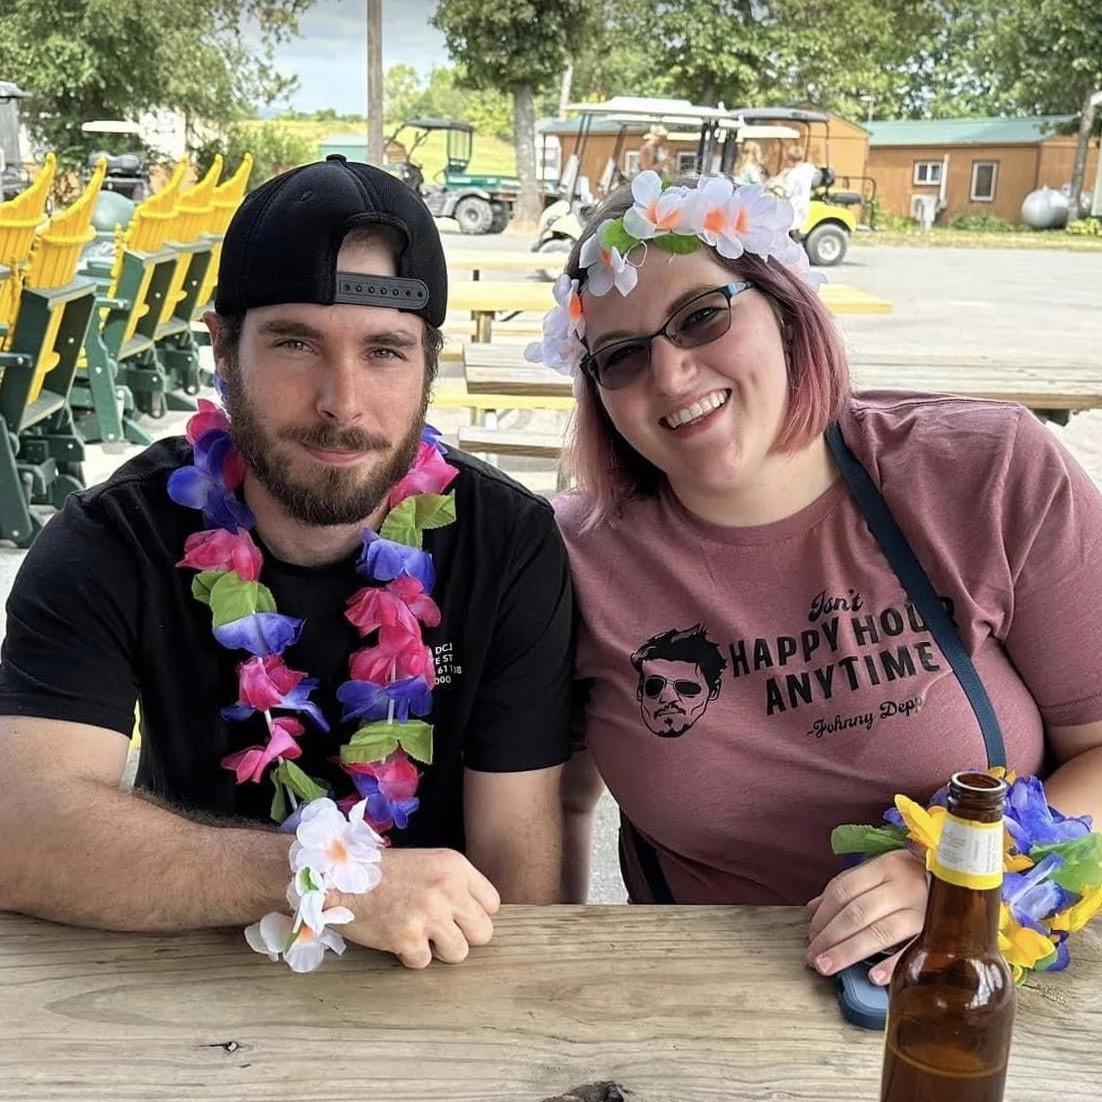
(226, 199)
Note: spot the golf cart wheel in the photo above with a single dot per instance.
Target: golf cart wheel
(557, 249)
(500, 219)
(826, 245)
(474, 215)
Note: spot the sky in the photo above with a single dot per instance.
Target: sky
(328, 57)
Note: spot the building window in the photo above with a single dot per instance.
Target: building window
(927, 172)
(984, 175)
(631, 163)
(686, 163)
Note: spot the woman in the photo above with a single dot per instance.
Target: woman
(748, 169)
(753, 671)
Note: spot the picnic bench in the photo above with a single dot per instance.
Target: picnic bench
(672, 1004)
(477, 261)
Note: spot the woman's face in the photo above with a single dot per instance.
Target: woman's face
(706, 416)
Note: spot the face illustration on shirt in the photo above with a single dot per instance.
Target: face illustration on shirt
(672, 696)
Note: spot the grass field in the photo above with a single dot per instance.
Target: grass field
(488, 154)
(943, 237)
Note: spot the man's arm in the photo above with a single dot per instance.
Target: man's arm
(75, 848)
(513, 823)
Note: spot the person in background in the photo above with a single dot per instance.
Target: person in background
(795, 185)
(748, 169)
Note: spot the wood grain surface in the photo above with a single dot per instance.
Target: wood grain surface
(675, 1004)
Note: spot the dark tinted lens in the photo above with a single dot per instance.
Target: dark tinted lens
(687, 688)
(620, 364)
(704, 319)
(654, 685)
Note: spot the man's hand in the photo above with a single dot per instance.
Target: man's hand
(431, 902)
(871, 908)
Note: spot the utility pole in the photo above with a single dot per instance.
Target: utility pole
(375, 150)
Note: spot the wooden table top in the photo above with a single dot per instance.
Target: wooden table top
(677, 1004)
(502, 369)
(488, 260)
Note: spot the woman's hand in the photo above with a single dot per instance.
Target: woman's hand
(874, 907)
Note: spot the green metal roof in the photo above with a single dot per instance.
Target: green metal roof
(980, 131)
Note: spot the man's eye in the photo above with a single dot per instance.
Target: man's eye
(387, 354)
(294, 344)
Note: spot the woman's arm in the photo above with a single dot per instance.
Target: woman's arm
(1075, 787)
(581, 789)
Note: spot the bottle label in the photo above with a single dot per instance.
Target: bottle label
(970, 854)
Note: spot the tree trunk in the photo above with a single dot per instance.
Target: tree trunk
(524, 128)
(1086, 121)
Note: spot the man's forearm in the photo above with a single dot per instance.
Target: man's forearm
(88, 854)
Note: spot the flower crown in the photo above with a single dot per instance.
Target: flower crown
(675, 219)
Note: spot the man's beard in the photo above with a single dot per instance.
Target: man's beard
(335, 495)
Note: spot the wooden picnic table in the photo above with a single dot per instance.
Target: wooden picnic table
(477, 261)
(1043, 387)
(487, 299)
(676, 1004)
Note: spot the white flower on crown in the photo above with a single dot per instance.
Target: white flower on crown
(656, 211)
(792, 255)
(733, 220)
(563, 329)
(605, 266)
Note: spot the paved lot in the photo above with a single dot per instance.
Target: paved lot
(945, 300)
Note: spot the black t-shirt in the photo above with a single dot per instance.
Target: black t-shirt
(101, 617)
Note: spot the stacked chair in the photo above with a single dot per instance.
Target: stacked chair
(45, 310)
(82, 351)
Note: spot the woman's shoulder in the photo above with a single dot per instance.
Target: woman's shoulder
(583, 523)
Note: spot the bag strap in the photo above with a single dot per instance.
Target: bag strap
(647, 856)
(915, 581)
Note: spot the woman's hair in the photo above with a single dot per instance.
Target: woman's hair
(750, 154)
(609, 471)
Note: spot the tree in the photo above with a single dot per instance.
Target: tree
(519, 48)
(89, 59)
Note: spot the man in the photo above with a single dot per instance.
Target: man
(679, 676)
(326, 383)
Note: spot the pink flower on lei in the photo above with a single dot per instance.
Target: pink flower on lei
(218, 549)
(397, 655)
(398, 604)
(250, 764)
(430, 474)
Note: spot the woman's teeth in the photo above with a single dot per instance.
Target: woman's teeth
(697, 409)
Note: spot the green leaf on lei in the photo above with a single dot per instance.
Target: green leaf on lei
(617, 237)
(869, 841)
(405, 523)
(677, 243)
(204, 582)
(1082, 866)
(231, 597)
(279, 800)
(303, 786)
(376, 741)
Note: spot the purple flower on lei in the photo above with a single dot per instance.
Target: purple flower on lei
(384, 560)
(366, 700)
(1032, 896)
(1032, 822)
(260, 633)
(203, 486)
(380, 808)
(431, 435)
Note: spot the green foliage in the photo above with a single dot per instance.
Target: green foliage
(982, 223)
(275, 147)
(1086, 227)
(104, 59)
(445, 95)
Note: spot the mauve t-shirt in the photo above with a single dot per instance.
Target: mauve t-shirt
(745, 690)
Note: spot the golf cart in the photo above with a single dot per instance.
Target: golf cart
(479, 202)
(714, 131)
(14, 178)
(127, 174)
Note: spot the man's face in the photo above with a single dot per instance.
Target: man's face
(672, 696)
(327, 403)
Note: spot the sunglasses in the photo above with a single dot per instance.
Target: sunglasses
(701, 320)
(653, 686)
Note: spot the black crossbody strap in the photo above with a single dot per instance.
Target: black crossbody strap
(917, 584)
(647, 856)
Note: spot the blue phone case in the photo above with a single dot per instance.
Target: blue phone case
(863, 1002)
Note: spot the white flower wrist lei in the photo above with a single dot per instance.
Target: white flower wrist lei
(330, 853)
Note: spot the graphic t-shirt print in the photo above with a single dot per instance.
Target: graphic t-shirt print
(680, 674)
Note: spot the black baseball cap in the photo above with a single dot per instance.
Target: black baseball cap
(282, 243)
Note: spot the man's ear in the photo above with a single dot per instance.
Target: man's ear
(214, 326)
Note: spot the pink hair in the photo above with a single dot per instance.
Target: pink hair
(608, 471)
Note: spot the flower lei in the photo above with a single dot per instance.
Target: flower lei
(391, 680)
(1052, 883)
(716, 212)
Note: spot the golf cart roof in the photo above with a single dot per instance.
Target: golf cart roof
(110, 126)
(440, 124)
(643, 108)
(11, 91)
(792, 114)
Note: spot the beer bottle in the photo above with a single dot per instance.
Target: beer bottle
(951, 1005)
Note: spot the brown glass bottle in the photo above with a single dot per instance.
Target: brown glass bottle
(952, 995)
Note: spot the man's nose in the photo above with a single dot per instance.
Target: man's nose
(340, 398)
